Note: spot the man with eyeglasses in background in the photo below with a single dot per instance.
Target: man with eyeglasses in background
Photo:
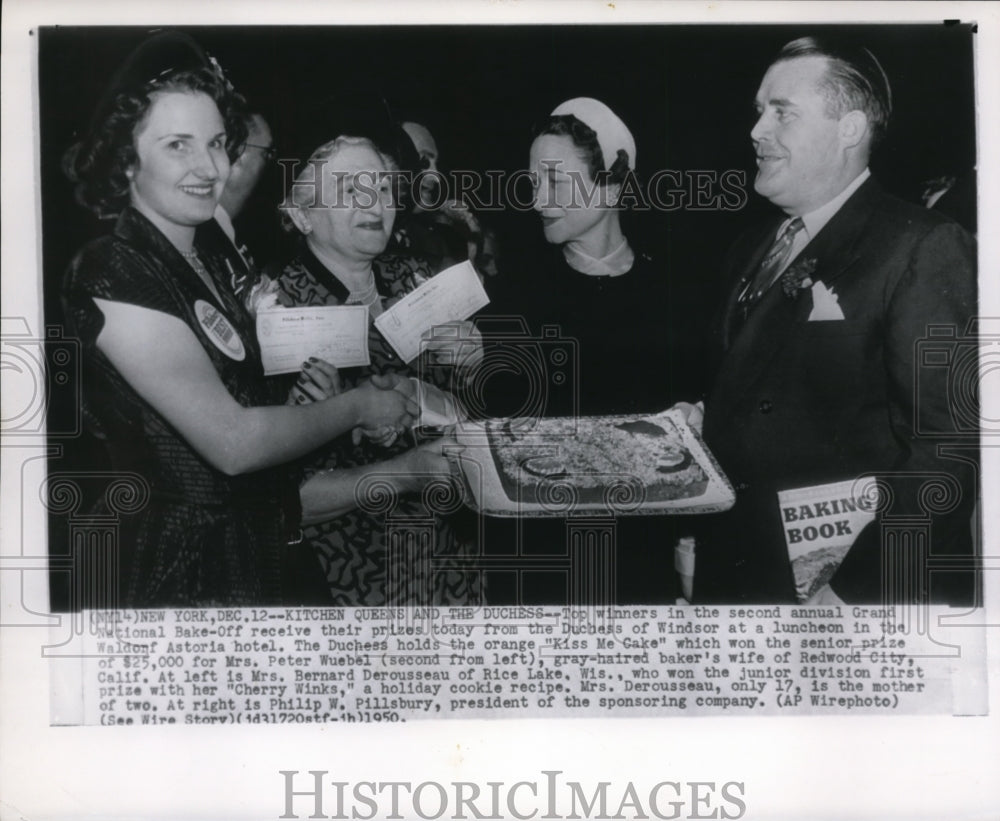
(244, 175)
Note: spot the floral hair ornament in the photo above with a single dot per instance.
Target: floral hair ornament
(797, 277)
(217, 69)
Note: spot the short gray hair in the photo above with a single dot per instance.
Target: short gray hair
(302, 193)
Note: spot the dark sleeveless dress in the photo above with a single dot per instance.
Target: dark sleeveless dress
(203, 538)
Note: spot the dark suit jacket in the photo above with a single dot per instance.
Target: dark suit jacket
(796, 403)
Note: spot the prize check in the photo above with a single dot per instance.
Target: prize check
(453, 295)
(289, 336)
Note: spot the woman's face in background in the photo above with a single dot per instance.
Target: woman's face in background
(354, 215)
(566, 196)
(181, 164)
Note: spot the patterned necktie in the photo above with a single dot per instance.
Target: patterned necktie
(775, 259)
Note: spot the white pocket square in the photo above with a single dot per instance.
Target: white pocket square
(825, 307)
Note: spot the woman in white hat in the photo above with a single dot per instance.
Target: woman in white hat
(607, 300)
(600, 290)
(579, 160)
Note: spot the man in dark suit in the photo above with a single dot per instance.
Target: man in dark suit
(818, 377)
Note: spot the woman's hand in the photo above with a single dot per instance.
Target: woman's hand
(420, 465)
(395, 381)
(383, 437)
(331, 493)
(456, 343)
(318, 380)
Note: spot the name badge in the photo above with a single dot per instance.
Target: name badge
(219, 330)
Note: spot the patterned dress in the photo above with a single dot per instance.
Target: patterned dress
(203, 538)
(391, 549)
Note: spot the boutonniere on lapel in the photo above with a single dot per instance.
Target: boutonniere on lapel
(798, 277)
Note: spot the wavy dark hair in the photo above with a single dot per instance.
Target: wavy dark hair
(97, 164)
(585, 140)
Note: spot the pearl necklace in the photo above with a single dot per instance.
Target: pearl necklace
(195, 262)
(367, 296)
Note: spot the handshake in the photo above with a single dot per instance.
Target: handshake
(388, 404)
(395, 408)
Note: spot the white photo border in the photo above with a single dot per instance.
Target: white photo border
(907, 767)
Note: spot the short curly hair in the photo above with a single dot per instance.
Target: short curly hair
(98, 163)
(585, 140)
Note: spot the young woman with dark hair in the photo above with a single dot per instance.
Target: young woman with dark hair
(172, 375)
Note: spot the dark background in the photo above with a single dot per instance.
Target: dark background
(686, 92)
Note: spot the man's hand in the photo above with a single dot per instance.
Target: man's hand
(694, 415)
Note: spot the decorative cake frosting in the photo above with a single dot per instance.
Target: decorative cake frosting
(620, 462)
